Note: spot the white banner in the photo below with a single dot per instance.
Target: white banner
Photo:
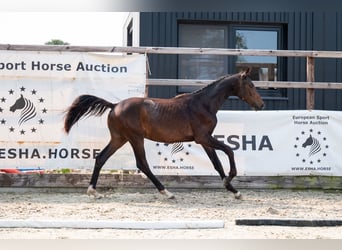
(35, 90)
(265, 143)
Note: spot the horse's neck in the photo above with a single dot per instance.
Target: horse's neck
(215, 95)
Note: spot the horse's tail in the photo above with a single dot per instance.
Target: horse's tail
(85, 105)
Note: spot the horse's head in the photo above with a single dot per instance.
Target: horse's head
(247, 91)
(19, 104)
(308, 142)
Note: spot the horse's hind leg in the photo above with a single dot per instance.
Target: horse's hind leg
(140, 156)
(100, 160)
(218, 166)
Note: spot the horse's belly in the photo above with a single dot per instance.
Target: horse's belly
(169, 134)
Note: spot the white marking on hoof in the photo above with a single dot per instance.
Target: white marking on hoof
(168, 194)
(238, 196)
(92, 191)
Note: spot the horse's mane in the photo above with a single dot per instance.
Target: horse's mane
(205, 88)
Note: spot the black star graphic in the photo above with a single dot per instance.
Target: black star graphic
(297, 138)
(159, 153)
(3, 99)
(318, 160)
(11, 91)
(165, 159)
(41, 121)
(166, 144)
(319, 132)
(44, 110)
(295, 146)
(3, 121)
(22, 132)
(181, 159)
(303, 160)
(173, 161)
(324, 154)
(311, 130)
(33, 130)
(22, 89)
(297, 155)
(189, 145)
(1, 110)
(187, 153)
(41, 100)
(33, 91)
(311, 162)
(303, 133)
(157, 144)
(11, 129)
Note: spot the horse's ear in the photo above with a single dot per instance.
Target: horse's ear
(246, 73)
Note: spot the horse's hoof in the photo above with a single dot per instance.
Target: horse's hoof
(92, 192)
(168, 194)
(238, 196)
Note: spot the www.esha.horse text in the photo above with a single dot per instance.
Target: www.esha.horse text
(80, 66)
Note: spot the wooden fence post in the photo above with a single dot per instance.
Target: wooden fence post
(310, 77)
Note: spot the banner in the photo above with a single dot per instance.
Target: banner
(37, 87)
(265, 143)
(35, 90)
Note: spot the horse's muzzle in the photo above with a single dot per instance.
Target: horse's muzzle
(259, 106)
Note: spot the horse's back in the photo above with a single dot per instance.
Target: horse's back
(155, 118)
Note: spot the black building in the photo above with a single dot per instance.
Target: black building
(287, 30)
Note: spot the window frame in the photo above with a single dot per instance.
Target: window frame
(270, 93)
(230, 62)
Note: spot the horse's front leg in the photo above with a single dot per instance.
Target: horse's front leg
(209, 145)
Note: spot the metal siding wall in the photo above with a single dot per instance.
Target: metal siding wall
(160, 29)
(305, 31)
(328, 37)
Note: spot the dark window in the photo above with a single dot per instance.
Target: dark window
(204, 67)
(231, 36)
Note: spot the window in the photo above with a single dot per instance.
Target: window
(264, 68)
(231, 36)
(204, 67)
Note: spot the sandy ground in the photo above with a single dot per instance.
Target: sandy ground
(147, 205)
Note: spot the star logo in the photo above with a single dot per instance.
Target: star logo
(311, 147)
(22, 111)
(173, 153)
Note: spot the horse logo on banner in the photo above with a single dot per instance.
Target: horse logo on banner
(311, 147)
(176, 153)
(28, 110)
(22, 113)
(314, 144)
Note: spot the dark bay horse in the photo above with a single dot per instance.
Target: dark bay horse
(186, 117)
